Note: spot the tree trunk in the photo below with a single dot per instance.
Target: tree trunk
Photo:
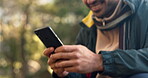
(12, 69)
(23, 42)
(23, 54)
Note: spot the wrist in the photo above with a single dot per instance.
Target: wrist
(61, 75)
(101, 68)
(99, 63)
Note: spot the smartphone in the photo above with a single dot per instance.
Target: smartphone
(48, 37)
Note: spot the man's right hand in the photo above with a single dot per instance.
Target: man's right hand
(59, 71)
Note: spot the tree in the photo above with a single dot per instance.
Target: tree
(21, 50)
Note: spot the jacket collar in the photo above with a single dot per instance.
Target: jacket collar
(88, 21)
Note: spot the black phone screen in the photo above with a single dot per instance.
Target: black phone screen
(48, 37)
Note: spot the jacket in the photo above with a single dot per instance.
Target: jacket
(132, 57)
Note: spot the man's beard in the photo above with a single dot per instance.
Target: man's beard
(102, 1)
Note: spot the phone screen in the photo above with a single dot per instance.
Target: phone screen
(48, 37)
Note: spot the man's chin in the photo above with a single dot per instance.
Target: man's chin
(98, 14)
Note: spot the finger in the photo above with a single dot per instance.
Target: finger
(61, 57)
(66, 48)
(65, 63)
(64, 56)
(48, 51)
(54, 58)
(60, 72)
(50, 60)
(58, 58)
(53, 64)
(75, 69)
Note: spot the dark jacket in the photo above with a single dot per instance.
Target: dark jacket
(132, 57)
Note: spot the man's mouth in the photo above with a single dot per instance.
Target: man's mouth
(96, 7)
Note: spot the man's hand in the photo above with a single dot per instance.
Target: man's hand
(59, 71)
(75, 58)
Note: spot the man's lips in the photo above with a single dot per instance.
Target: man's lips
(95, 7)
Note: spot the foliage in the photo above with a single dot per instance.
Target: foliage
(20, 49)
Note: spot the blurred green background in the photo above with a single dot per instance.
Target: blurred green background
(20, 49)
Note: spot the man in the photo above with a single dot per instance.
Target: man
(113, 42)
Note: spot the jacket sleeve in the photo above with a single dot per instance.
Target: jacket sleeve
(125, 62)
(130, 61)
(70, 75)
